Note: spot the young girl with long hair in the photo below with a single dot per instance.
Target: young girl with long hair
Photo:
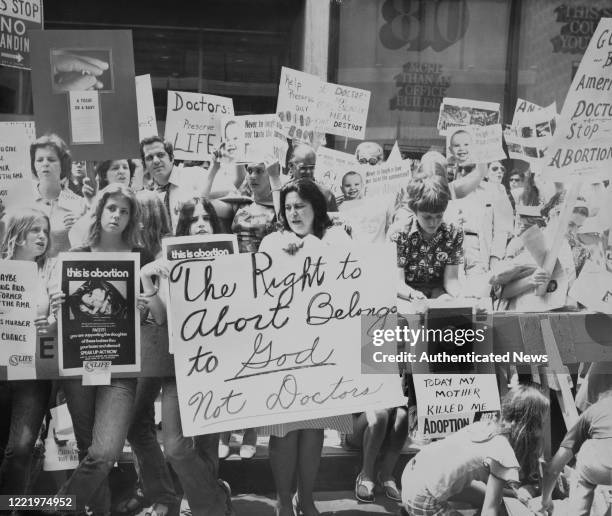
(474, 464)
(24, 403)
(101, 415)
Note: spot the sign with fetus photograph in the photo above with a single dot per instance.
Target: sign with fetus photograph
(99, 325)
(264, 339)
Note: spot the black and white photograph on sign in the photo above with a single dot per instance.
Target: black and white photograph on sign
(99, 321)
(81, 70)
(306, 257)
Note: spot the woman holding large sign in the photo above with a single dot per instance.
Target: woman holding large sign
(26, 239)
(295, 448)
(102, 414)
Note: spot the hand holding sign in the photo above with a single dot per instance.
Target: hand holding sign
(73, 72)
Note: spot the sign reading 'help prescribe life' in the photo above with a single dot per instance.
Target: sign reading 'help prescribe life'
(16, 18)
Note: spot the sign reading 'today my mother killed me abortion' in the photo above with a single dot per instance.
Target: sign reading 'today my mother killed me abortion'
(99, 326)
(264, 339)
(581, 144)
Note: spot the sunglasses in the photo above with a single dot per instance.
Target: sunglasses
(365, 161)
(496, 169)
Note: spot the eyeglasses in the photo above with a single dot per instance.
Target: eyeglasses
(301, 168)
(515, 179)
(496, 168)
(366, 161)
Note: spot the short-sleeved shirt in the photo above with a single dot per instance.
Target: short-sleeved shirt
(594, 423)
(424, 261)
(446, 467)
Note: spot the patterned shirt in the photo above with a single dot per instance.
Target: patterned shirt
(424, 261)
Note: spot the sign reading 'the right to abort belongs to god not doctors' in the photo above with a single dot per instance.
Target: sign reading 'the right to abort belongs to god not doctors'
(263, 339)
(99, 326)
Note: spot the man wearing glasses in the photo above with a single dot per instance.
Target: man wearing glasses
(369, 153)
(302, 165)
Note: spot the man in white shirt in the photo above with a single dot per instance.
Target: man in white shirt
(174, 185)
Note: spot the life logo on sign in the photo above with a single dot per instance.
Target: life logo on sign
(94, 365)
(17, 17)
(16, 360)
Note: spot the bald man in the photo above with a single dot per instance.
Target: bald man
(302, 165)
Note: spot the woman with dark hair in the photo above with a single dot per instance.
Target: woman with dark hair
(295, 448)
(194, 459)
(24, 403)
(51, 165)
(115, 171)
(102, 414)
(474, 464)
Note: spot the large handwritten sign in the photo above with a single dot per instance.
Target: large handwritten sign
(15, 176)
(193, 123)
(344, 110)
(330, 167)
(581, 145)
(263, 339)
(385, 179)
(447, 403)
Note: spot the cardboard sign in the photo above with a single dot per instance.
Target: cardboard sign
(474, 144)
(263, 339)
(447, 403)
(531, 132)
(15, 176)
(251, 138)
(593, 288)
(297, 106)
(195, 248)
(385, 178)
(581, 145)
(330, 167)
(344, 110)
(60, 454)
(18, 298)
(93, 69)
(193, 123)
(147, 124)
(17, 17)
(99, 326)
(462, 112)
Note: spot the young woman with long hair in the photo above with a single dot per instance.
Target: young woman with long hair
(102, 415)
(24, 403)
(194, 459)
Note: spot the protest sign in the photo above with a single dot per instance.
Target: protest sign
(263, 339)
(474, 144)
(298, 104)
(448, 402)
(194, 248)
(344, 110)
(593, 288)
(61, 451)
(462, 112)
(385, 178)
(330, 167)
(17, 17)
(581, 144)
(18, 289)
(99, 326)
(531, 132)
(106, 121)
(252, 138)
(147, 124)
(395, 156)
(15, 176)
(193, 123)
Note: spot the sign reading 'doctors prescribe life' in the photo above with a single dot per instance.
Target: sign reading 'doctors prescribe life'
(266, 339)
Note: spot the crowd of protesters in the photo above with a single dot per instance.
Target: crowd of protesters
(459, 231)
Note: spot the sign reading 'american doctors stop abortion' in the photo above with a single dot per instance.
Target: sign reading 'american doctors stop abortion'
(263, 339)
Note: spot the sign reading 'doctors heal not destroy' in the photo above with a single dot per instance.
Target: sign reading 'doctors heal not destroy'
(263, 339)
